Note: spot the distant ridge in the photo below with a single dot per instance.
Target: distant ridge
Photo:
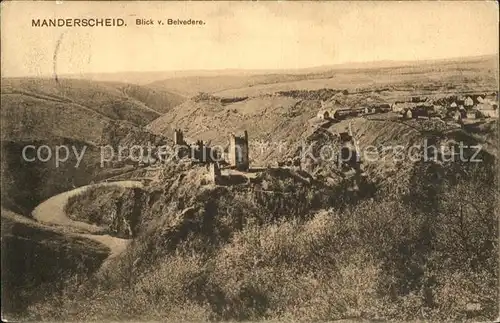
(146, 77)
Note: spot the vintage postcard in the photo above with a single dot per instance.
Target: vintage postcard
(249, 161)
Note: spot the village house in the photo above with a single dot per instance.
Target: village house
(439, 111)
(382, 107)
(423, 110)
(400, 106)
(396, 107)
(367, 110)
(407, 114)
(488, 110)
(457, 116)
(343, 113)
(468, 102)
(462, 111)
(418, 99)
(472, 114)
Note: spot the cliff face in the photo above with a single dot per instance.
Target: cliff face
(270, 195)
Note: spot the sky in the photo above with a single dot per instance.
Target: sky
(249, 35)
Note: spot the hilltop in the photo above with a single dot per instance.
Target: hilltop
(80, 109)
(419, 78)
(457, 72)
(191, 82)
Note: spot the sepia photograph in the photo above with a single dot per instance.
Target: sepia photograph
(248, 161)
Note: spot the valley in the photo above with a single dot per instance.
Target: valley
(249, 220)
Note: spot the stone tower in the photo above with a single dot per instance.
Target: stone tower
(214, 173)
(201, 151)
(238, 152)
(178, 137)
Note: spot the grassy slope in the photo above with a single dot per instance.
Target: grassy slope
(36, 260)
(68, 102)
(26, 117)
(159, 100)
(212, 120)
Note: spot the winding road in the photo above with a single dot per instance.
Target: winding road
(52, 212)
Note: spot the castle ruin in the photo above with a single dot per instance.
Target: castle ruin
(238, 152)
(179, 137)
(200, 151)
(214, 173)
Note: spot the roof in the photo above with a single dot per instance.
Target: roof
(425, 105)
(405, 105)
(341, 110)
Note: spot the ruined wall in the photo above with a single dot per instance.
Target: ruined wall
(214, 173)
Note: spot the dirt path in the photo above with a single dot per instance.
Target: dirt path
(52, 212)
